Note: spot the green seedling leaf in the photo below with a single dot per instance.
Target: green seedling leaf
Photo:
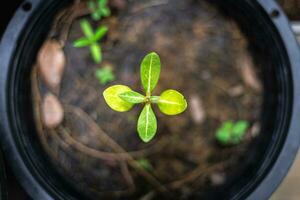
(150, 72)
(154, 99)
(147, 124)
(145, 163)
(223, 133)
(100, 32)
(98, 10)
(82, 42)
(231, 133)
(96, 52)
(105, 12)
(132, 97)
(111, 96)
(105, 75)
(87, 28)
(172, 102)
(239, 129)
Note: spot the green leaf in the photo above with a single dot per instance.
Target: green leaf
(105, 11)
(231, 133)
(105, 75)
(223, 134)
(102, 3)
(147, 124)
(172, 102)
(91, 5)
(87, 28)
(100, 32)
(239, 129)
(111, 96)
(96, 15)
(132, 97)
(82, 42)
(154, 99)
(145, 163)
(96, 52)
(150, 72)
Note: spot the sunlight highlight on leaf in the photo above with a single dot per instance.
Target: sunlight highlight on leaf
(172, 102)
(147, 124)
(111, 96)
(150, 72)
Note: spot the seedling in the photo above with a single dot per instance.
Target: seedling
(91, 39)
(99, 9)
(121, 98)
(231, 133)
(145, 163)
(105, 75)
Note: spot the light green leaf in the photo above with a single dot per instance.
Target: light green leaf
(111, 96)
(92, 5)
(96, 52)
(132, 97)
(150, 72)
(172, 102)
(223, 134)
(147, 124)
(87, 28)
(102, 3)
(96, 15)
(105, 75)
(239, 129)
(105, 11)
(145, 163)
(100, 32)
(82, 42)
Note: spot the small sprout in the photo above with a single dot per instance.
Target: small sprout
(121, 98)
(145, 163)
(91, 39)
(99, 9)
(231, 133)
(105, 75)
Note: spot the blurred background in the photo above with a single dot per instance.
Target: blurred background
(288, 189)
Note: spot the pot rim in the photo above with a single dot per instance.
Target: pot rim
(262, 191)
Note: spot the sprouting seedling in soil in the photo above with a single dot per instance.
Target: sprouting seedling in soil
(105, 75)
(121, 98)
(99, 9)
(91, 39)
(231, 133)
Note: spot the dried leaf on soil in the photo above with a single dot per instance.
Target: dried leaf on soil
(52, 111)
(51, 63)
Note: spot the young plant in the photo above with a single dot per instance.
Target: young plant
(91, 39)
(231, 133)
(145, 163)
(121, 98)
(105, 75)
(99, 9)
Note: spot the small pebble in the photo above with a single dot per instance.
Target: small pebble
(52, 111)
(51, 63)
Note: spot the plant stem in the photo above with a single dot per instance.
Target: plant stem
(154, 99)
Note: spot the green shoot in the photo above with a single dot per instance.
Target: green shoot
(91, 39)
(145, 163)
(105, 75)
(99, 9)
(121, 98)
(231, 133)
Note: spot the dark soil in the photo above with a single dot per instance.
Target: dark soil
(204, 55)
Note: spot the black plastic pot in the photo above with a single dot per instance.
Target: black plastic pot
(3, 190)
(271, 38)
